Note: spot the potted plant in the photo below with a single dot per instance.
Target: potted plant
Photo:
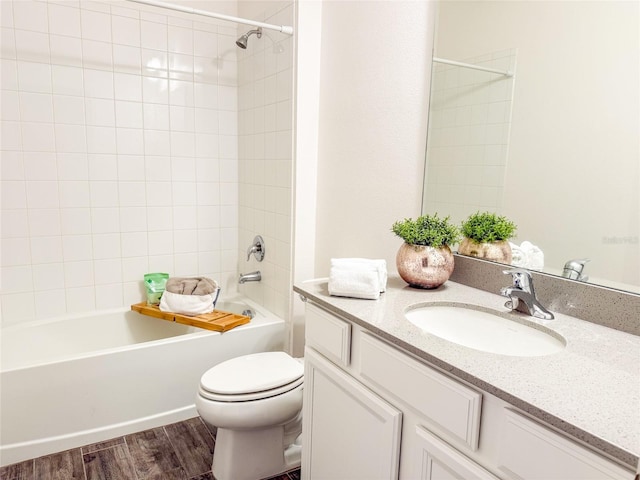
(486, 236)
(425, 260)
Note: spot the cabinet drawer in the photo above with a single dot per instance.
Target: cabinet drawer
(328, 334)
(451, 409)
(529, 450)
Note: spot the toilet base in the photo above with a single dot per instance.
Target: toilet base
(253, 454)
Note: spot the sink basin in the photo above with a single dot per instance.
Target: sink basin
(485, 331)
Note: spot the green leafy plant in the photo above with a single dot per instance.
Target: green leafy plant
(428, 230)
(487, 227)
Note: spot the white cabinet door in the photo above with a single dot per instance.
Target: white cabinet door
(348, 431)
(435, 460)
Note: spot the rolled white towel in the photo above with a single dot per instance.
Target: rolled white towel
(518, 256)
(535, 256)
(361, 282)
(186, 304)
(356, 263)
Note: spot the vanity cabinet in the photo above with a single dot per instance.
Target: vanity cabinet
(374, 411)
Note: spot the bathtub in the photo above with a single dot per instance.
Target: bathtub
(77, 380)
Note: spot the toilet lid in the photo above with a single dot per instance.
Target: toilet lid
(258, 372)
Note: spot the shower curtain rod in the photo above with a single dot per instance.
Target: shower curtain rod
(506, 73)
(280, 28)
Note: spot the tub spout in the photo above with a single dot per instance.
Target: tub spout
(250, 277)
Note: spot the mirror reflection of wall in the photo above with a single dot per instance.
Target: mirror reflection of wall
(563, 158)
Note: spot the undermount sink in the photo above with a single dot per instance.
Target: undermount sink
(485, 331)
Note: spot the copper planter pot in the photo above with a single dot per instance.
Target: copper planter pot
(424, 267)
(495, 251)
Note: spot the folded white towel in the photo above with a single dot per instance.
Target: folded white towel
(187, 304)
(357, 263)
(361, 282)
(527, 255)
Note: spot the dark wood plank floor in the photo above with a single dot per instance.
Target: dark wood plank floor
(180, 451)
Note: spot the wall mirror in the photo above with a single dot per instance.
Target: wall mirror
(551, 138)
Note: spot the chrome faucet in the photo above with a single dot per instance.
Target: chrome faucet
(250, 277)
(573, 269)
(522, 291)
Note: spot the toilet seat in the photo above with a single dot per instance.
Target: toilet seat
(252, 377)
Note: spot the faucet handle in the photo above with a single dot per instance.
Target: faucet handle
(521, 278)
(257, 249)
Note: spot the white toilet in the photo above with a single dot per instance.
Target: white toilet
(255, 401)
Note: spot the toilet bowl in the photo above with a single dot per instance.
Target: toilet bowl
(255, 402)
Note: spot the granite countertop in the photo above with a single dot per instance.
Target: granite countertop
(590, 390)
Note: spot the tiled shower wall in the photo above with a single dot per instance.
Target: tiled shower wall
(119, 153)
(468, 139)
(265, 78)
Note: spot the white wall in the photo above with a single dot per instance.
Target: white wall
(119, 153)
(374, 85)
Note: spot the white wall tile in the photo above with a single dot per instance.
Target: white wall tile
(48, 276)
(133, 219)
(7, 43)
(104, 194)
(205, 95)
(70, 138)
(185, 217)
(50, 303)
(107, 245)
(9, 74)
(155, 90)
(183, 193)
(160, 243)
(34, 77)
(15, 251)
(205, 44)
(40, 166)
(66, 50)
(130, 141)
(180, 40)
(12, 166)
(32, 46)
(44, 222)
(101, 140)
(14, 223)
(100, 112)
(107, 272)
(67, 80)
(133, 270)
(183, 169)
(157, 168)
(75, 221)
(98, 84)
(6, 14)
(131, 168)
(126, 31)
(30, 15)
(72, 166)
(126, 59)
(77, 248)
(17, 279)
(38, 137)
(206, 121)
(80, 299)
(17, 307)
(11, 136)
(153, 35)
(68, 109)
(182, 144)
(109, 296)
(64, 20)
(155, 63)
(181, 93)
(129, 114)
(127, 87)
(105, 220)
(132, 194)
(96, 26)
(156, 142)
(156, 117)
(74, 194)
(46, 250)
(97, 55)
(134, 244)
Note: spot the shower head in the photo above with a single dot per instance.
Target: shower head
(242, 41)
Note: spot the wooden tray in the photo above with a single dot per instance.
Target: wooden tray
(217, 320)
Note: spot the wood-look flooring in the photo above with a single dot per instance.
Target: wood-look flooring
(180, 451)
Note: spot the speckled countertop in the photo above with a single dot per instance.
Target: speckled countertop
(590, 390)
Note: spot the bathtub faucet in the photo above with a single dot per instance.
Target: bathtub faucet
(250, 277)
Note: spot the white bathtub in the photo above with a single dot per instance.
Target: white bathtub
(77, 380)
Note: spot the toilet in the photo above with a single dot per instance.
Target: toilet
(255, 402)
